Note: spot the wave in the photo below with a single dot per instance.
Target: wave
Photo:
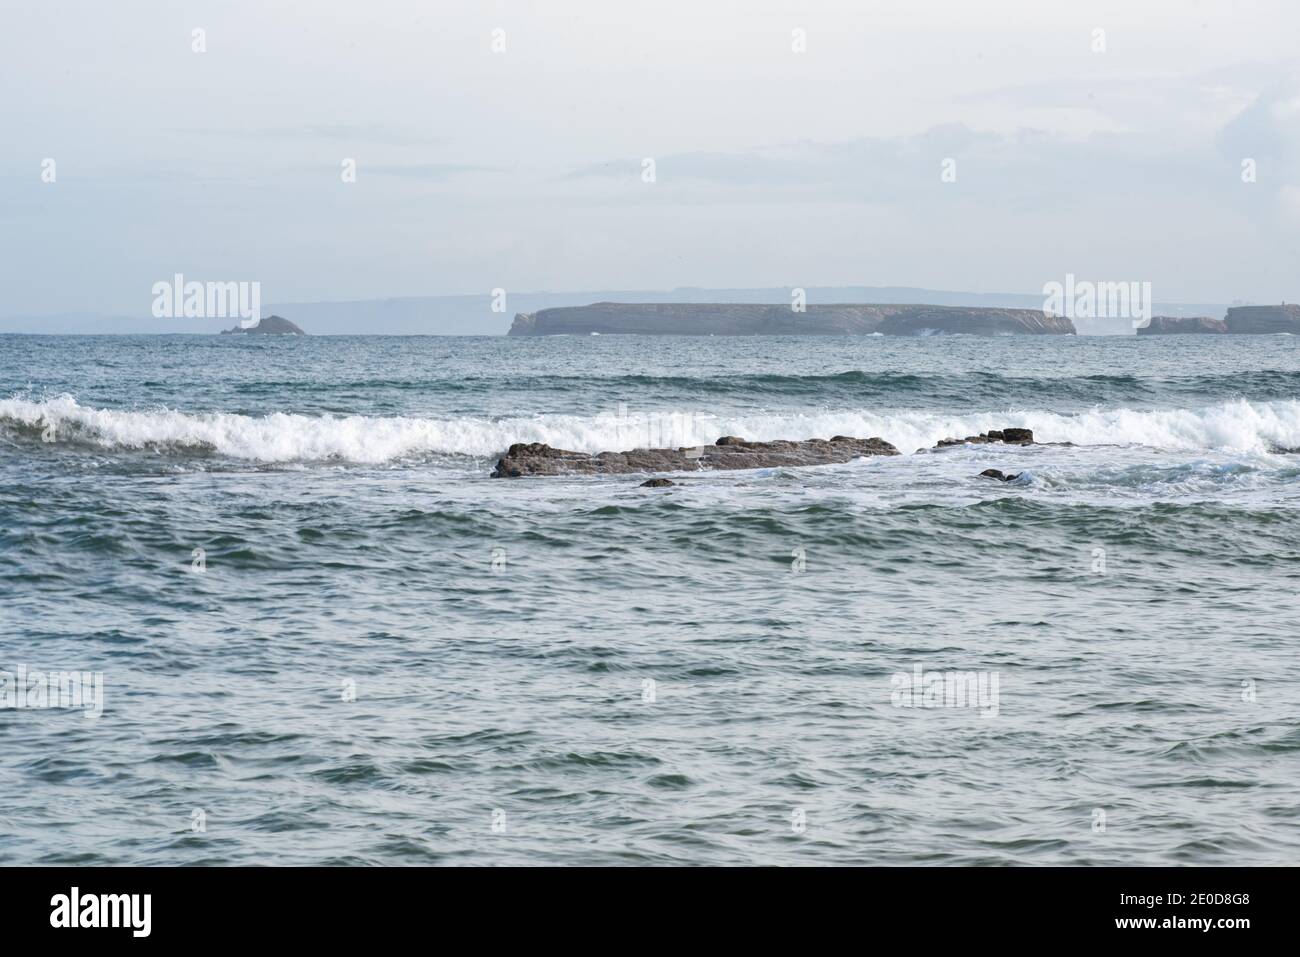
(1237, 425)
(844, 388)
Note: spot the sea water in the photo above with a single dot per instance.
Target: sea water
(324, 635)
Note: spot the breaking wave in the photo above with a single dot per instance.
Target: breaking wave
(1237, 425)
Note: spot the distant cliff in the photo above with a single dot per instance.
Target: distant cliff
(1263, 320)
(1177, 325)
(739, 319)
(271, 325)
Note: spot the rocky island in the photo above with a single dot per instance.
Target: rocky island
(1177, 326)
(742, 319)
(1240, 321)
(270, 325)
(778, 319)
(1263, 320)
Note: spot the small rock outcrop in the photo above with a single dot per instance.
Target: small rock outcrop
(999, 475)
(1263, 320)
(729, 452)
(269, 325)
(658, 483)
(1177, 326)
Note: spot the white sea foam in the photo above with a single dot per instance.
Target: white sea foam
(285, 437)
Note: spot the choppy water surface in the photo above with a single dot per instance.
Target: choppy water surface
(578, 670)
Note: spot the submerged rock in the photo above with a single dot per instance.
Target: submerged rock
(729, 452)
(657, 483)
(999, 475)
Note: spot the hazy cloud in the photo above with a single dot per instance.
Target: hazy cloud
(522, 169)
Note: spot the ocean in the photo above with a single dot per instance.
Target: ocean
(324, 636)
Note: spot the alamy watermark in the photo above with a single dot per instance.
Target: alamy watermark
(660, 430)
(75, 909)
(946, 689)
(1083, 299)
(23, 689)
(208, 300)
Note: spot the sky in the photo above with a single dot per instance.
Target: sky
(1114, 155)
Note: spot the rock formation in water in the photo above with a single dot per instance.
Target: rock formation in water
(729, 452)
(270, 325)
(1263, 320)
(1004, 436)
(737, 319)
(999, 475)
(1011, 436)
(1176, 326)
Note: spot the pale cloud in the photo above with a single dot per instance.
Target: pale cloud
(522, 170)
(368, 133)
